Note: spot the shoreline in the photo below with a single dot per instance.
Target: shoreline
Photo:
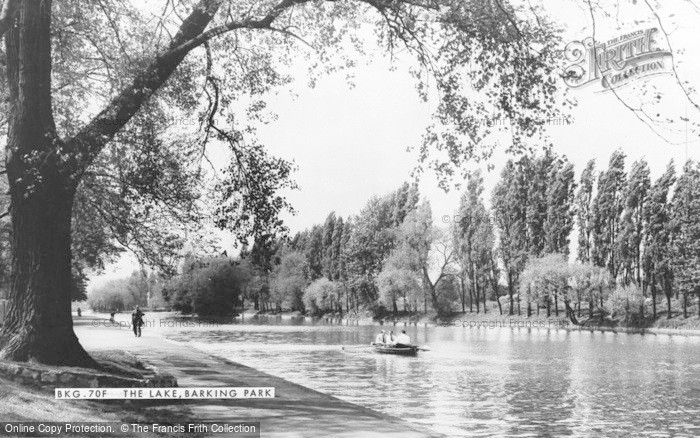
(486, 321)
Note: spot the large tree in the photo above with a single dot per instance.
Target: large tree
(560, 208)
(685, 236)
(509, 203)
(584, 213)
(474, 244)
(632, 226)
(608, 206)
(658, 269)
(79, 74)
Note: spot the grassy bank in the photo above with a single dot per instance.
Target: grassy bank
(22, 403)
(30, 404)
(493, 318)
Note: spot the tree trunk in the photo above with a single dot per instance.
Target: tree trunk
(556, 303)
(549, 307)
(653, 297)
(510, 294)
(498, 300)
(39, 325)
(668, 305)
(476, 297)
(434, 298)
(529, 309)
(570, 312)
(494, 284)
(425, 300)
(483, 291)
(461, 285)
(471, 301)
(685, 304)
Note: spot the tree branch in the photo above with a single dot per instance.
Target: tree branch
(88, 142)
(7, 15)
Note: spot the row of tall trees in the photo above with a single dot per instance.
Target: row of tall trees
(391, 256)
(338, 262)
(634, 236)
(533, 213)
(643, 232)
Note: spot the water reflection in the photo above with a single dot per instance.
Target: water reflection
(483, 382)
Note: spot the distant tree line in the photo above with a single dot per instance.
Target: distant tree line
(209, 286)
(121, 294)
(636, 240)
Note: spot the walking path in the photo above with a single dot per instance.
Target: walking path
(296, 411)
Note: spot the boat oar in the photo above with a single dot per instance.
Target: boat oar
(423, 349)
(355, 346)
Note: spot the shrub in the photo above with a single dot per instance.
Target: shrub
(322, 296)
(626, 303)
(212, 288)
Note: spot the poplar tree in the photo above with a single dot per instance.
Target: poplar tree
(560, 208)
(534, 174)
(685, 237)
(327, 246)
(584, 213)
(607, 210)
(657, 252)
(314, 253)
(632, 226)
(350, 295)
(336, 248)
(509, 205)
(473, 241)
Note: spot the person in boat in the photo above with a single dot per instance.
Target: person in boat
(381, 337)
(392, 339)
(403, 340)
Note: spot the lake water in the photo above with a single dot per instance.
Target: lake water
(483, 382)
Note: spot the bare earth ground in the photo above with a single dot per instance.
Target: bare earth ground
(296, 411)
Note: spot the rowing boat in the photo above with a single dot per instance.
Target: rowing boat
(403, 351)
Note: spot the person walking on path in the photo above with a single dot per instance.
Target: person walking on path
(137, 321)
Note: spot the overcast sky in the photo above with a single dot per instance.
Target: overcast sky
(350, 143)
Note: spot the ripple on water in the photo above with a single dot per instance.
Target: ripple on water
(484, 382)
